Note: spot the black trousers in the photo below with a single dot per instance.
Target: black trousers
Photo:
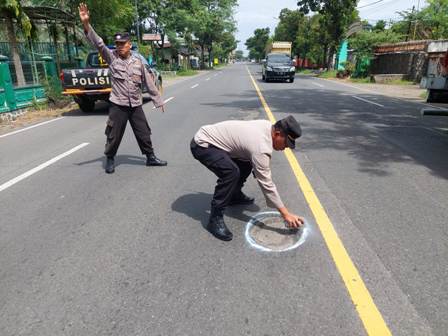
(116, 125)
(231, 173)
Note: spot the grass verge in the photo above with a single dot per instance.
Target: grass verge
(328, 74)
(187, 72)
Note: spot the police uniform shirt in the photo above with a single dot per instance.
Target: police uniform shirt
(249, 141)
(126, 75)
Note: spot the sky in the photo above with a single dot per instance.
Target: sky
(253, 14)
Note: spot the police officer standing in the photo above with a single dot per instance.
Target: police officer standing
(231, 150)
(127, 75)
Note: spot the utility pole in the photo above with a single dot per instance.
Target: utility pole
(136, 22)
(410, 23)
(415, 23)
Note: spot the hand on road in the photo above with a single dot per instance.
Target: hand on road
(293, 221)
(84, 14)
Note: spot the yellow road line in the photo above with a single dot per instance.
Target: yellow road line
(368, 312)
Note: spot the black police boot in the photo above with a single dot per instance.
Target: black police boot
(241, 199)
(110, 165)
(152, 160)
(217, 227)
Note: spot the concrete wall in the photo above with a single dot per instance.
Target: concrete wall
(412, 64)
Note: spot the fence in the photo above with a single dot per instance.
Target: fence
(34, 72)
(38, 49)
(13, 97)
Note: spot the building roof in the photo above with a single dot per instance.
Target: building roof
(46, 13)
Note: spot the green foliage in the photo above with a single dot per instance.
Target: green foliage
(328, 74)
(305, 72)
(186, 72)
(13, 9)
(429, 23)
(257, 43)
(239, 54)
(363, 42)
(401, 82)
(221, 27)
(53, 92)
(291, 26)
(335, 17)
(362, 80)
(379, 26)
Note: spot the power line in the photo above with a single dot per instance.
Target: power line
(380, 5)
(370, 4)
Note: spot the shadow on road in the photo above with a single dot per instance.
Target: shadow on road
(197, 206)
(119, 160)
(334, 120)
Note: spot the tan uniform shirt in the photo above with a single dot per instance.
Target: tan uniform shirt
(249, 141)
(127, 76)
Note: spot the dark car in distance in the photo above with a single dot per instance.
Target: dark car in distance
(278, 67)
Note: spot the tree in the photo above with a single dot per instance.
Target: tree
(429, 23)
(379, 26)
(257, 43)
(363, 42)
(226, 45)
(335, 18)
(292, 28)
(107, 16)
(239, 55)
(13, 11)
(214, 18)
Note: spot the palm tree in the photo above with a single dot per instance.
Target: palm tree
(12, 11)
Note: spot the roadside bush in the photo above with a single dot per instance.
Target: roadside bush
(53, 92)
(349, 69)
(328, 74)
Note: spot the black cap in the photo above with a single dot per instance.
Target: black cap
(291, 128)
(122, 37)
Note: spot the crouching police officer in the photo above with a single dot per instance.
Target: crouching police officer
(127, 74)
(231, 150)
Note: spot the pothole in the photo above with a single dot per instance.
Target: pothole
(267, 231)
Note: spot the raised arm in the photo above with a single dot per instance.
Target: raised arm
(92, 36)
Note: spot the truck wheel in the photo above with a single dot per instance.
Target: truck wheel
(87, 105)
(291, 80)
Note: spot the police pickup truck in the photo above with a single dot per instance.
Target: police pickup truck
(93, 82)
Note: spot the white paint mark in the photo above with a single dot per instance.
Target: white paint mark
(207, 79)
(40, 167)
(378, 93)
(367, 101)
(305, 232)
(166, 101)
(30, 127)
(317, 84)
(194, 86)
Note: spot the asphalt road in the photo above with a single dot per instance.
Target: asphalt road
(86, 253)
